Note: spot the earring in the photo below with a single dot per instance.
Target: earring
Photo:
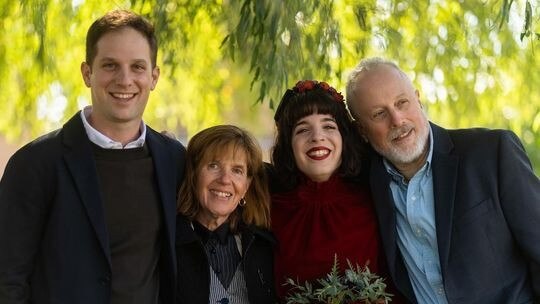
(242, 202)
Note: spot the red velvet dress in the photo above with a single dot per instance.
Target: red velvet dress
(316, 221)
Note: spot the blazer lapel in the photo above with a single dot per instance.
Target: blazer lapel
(81, 164)
(444, 170)
(386, 215)
(384, 206)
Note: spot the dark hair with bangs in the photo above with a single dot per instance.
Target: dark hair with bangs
(296, 105)
(212, 144)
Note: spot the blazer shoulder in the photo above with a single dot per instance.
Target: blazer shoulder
(44, 148)
(171, 143)
(184, 231)
(474, 138)
(261, 234)
(478, 132)
(479, 146)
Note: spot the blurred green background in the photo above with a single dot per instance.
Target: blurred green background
(476, 63)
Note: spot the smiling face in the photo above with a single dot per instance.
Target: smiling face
(317, 146)
(391, 117)
(120, 78)
(221, 183)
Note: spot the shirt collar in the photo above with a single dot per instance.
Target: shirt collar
(105, 142)
(398, 177)
(221, 233)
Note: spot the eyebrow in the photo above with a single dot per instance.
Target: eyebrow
(331, 119)
(401, 95)
(239, 165)
(105, 59)
(303, 122)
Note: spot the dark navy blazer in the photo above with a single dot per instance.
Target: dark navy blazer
(487, 213)
(55, 247)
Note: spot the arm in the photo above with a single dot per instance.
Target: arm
(22, 215)
(519, 195)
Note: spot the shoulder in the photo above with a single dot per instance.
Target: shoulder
(35, 165)
(42, 148)
(481, 149)
(162, 144)
(260, 234)
(474, 139)
(165, 141)
(482, 134)
(184, 231)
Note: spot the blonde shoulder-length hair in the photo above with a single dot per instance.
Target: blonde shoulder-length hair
(211, 143)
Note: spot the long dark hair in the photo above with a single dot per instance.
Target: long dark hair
(299, 102)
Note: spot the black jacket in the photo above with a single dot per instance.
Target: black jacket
(193, 284)
(54, 241)
(486, 213)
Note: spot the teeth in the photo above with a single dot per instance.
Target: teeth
(221, 194)
(122, 96)
(318, 153)
(404, 134)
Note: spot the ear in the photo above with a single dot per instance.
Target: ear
(86, 72)
(418, 98)
(155, 76)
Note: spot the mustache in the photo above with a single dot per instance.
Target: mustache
(399, 131)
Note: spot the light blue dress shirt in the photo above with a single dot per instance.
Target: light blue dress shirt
(417, 237)
(105, 142)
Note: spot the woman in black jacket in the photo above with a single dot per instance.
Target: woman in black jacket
(223, 247)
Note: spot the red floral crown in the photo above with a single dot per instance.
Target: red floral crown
(307, 85)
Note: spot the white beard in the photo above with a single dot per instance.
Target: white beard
(399, 155)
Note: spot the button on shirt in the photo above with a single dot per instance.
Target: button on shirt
(105, 142)
(417, 237)
(221, 249)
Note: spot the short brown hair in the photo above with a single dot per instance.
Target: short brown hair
(113, 21)
(209, 144)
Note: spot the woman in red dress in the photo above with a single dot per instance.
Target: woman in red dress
(321, 204)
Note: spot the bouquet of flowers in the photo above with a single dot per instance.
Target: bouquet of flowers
(355, 285)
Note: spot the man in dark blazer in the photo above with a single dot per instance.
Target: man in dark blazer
(87, 212)
(458, 210)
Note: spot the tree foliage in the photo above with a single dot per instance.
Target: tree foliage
(474, 62)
